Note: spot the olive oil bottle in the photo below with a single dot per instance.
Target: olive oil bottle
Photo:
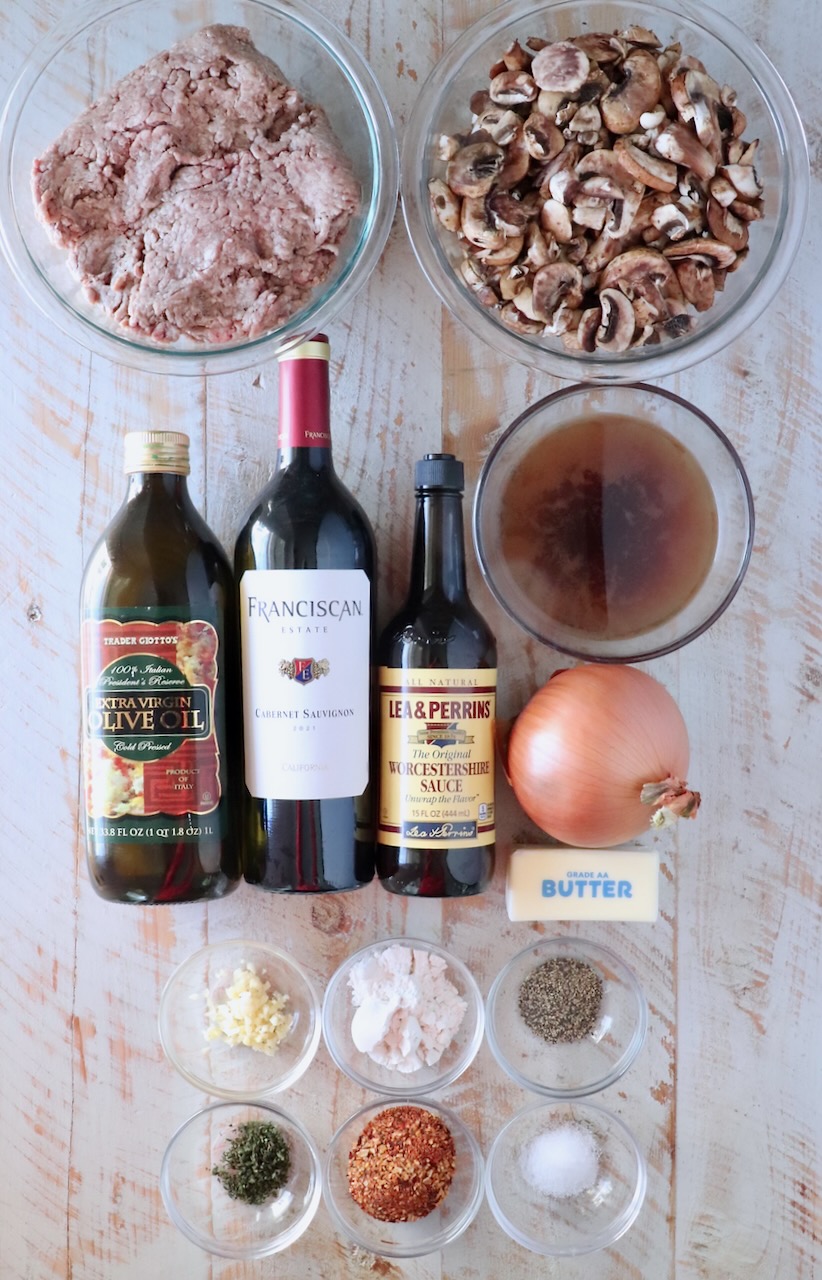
(437, 700)
(159, 664)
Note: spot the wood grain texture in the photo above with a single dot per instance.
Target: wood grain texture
(724, 1097)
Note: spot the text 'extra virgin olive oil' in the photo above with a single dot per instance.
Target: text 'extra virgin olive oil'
(159, 665)
(305, 565)
(437, 697)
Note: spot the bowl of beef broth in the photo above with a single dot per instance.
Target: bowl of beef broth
(614, 523)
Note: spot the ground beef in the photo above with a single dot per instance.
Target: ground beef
(201, 196)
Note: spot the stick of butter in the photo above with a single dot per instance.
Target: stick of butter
(582, 884)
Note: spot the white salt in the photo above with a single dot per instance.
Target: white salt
(562, 1162)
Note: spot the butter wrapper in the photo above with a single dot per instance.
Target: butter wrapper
(582, 884)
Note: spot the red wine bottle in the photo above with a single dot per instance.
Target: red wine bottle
(437, 689)
(305, 565)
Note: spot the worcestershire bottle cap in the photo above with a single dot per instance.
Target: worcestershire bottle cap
(439, 471)
(157, 451)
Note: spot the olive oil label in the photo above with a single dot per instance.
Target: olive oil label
(437, 757)
(306, 656)
(150, 743)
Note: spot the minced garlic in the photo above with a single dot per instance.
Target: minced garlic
(251, 1013)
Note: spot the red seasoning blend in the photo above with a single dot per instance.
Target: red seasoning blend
(158, 649)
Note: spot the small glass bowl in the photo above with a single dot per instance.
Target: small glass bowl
(576, 1224)
(579, 1068)
(691, 430)
(404, 1239)
(235, 1071)
(83, 56)
(731, 58)
(338, 1011)
(199, 1206)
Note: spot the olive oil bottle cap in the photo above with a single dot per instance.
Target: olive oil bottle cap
(157, 451)
(439, 471)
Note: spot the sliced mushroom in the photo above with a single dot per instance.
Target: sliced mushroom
(515, 57)
(476, 282)
(541, 137)
(555, 218)
(725, 226)
(476, 225)
(591, 217)
(500, 124)
(723, 191)
(598, 189)
(576, 249)
(474, 168)
(676, 142)
(660, 175)
(537, 252)
(598, 46)
(643, 272)
(511, 88)
(696, 280)
(743, 178)
(524, 303)
(586, 119)
(445, 204)
(603, 161)
(748, 211)
(560, 67)
(564, 319)
(563, 186)
(703, 247)
(566, 159)
(704, 94)
(637, 92)
(556, 283)
(511, 280)
(587, 329)
(512, 318)
(504, 256)
(516, 166)
(507, 213)
(670, 221)
(617, 324)
(549, 102)
(624, 212)
(641, 35)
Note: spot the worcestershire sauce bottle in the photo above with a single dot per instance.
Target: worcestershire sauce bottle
(305, 568)
(437, 700)
(159, 661)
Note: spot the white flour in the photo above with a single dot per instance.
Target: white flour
(407, 1010)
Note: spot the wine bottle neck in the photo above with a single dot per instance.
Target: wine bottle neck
(304, 435)
(438, 558)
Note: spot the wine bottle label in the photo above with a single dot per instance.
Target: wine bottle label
(150, 742)
(437, 758)
(306, 677)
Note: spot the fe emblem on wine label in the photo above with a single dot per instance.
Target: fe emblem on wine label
(305, 719)
(304, 670)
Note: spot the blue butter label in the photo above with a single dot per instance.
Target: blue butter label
(582, 884)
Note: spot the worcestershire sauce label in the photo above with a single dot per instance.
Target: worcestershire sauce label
(437, 771)
(149, 739)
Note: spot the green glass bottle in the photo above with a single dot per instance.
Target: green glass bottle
(159, 674)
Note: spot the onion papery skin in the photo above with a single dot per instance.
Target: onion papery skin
(584, 746)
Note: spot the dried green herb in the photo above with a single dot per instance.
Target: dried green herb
(256, 1162)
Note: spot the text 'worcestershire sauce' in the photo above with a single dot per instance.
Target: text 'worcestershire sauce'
(437, 681)
(305, 566)
(159, 662)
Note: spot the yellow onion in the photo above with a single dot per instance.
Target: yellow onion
(595, 750)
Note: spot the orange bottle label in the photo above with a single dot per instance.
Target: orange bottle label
(437, 757)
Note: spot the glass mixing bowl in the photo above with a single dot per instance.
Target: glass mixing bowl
(567, 1225)
(731, 58)
(514, 564)
(85, 55)
(199, 1206)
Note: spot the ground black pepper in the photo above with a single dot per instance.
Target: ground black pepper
(560, 1000)
(256, 1162)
